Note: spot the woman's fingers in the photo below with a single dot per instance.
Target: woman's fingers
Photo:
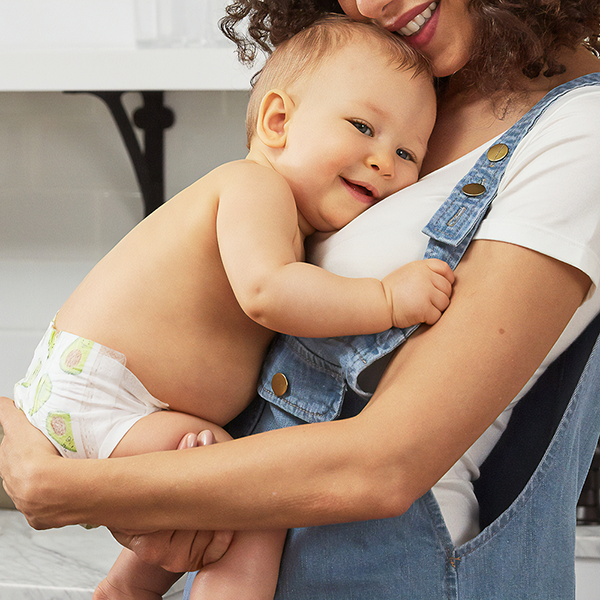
(217, 547)
(175, 551)
(188, 441)
(8, 412)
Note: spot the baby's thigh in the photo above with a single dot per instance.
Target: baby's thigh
(163, 430)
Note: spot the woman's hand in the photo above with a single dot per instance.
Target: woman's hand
(24, 455)
(180, 551)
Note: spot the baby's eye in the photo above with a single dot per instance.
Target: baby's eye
(363, 128)
(404, 155)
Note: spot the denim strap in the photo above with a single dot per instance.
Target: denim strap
(453, 226)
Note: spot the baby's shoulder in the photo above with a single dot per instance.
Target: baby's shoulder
(241, 174)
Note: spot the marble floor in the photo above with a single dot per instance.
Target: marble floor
(68, 563)
(58, 564)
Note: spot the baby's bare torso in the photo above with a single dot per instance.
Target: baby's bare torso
(162, 298)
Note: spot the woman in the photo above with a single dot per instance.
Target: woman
(533, 262)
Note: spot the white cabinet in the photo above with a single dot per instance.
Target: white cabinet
(112, 46)
(39, 70)
(68, 45)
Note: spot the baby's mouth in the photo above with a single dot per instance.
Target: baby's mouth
(417, 23)
(359, 190)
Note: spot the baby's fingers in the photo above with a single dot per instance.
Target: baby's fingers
(441, 268)
(432, 315)
(440, 300)
(442, 284)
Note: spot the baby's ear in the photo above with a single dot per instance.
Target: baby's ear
(274, 114)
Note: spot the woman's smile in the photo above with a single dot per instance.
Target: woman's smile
(416, 22)
(440, 29)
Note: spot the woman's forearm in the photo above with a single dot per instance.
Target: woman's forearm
(438, 395)
(256, 486)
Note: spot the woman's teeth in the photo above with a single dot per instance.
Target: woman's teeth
(415, 25)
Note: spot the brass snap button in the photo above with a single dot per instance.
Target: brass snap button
(279, 384)
(497, 152)
(473, 189)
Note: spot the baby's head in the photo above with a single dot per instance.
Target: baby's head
(299, 57)
(343, 111)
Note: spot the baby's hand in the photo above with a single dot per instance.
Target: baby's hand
(419, 292)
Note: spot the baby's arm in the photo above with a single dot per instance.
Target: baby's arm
(257, 229)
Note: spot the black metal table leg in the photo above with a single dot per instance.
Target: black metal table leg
(153, 117)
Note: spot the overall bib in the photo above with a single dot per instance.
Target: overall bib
(529, 485)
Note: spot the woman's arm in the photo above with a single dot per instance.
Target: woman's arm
(439, 394)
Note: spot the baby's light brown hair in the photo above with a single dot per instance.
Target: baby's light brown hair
(300, 56)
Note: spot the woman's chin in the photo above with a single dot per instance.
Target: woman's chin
(448, 65)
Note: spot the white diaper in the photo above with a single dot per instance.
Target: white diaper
(81, 395)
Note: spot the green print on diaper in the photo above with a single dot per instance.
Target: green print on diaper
(52, 341)
(73, 358)
(59, 429)
(42, 393)
(31, 376)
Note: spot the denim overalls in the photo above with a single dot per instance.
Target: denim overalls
(529, 485)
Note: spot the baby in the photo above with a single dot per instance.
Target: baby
(167, 334)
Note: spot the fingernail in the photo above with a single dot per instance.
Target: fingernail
(205, 439)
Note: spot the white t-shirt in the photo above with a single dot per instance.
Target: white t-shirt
(548, 201)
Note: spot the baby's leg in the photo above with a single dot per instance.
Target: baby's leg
(131, 578)
(163, 430)
(248, 570)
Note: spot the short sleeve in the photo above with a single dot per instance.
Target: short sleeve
(549, 198)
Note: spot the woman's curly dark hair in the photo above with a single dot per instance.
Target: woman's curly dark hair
(513, 37)
(270, 22)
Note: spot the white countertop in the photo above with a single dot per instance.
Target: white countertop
(587, 544)
(68, 563)
(63, 563)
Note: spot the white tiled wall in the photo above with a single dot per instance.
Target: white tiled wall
(68, 194)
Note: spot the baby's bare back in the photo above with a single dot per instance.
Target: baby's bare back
(162, 298)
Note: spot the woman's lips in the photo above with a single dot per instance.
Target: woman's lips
(411, 23)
